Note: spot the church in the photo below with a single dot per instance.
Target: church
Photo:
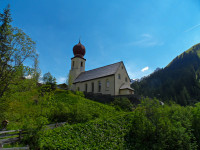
(112, 79)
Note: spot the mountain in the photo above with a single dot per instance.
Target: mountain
(178, 81)
(134, 80)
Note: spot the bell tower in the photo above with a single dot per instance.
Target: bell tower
(77, 64)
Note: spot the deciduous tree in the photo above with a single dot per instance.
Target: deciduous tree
(48, 79)
(15, 48)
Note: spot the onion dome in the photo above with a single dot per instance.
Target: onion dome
(79, 50)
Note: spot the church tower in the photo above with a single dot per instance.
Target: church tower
(77, 64)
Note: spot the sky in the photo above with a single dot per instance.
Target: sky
(144, 34)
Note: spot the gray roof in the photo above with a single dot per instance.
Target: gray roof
(98, 72)
(125, 86)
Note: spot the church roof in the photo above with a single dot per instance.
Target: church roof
(98, 72)
(125, 86)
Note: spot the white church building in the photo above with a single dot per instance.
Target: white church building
(112, 79)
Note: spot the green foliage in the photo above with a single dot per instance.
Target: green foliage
(73, 108)
(98, 134)
(15, 48)
(123, 103)
(196, 122)
(13, 145)
(62, 86)
(149, 126)
(69, 81)
(79, 93)
(24, 108)
(92, 125)
(162, 127)
(48, 79)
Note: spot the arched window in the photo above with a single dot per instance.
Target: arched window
(99, 86)
(119, 77)
(73, 64)
(92, 87)
(126, 79)
(81, 64)
(107, 83)
(86, 87)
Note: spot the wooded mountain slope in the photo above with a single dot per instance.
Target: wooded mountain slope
(178, 81)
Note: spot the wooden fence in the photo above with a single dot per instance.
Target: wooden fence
(11, 136)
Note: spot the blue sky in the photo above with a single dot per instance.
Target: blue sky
(144, 34)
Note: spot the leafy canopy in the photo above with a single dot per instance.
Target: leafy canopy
(16, 48)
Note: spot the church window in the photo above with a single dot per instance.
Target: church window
(92, 87)
(107, 84)
(126, 79)
(119, 77)
(85, 87)
(122, 67)
(73, 64)
(99, 86)
(81, 64)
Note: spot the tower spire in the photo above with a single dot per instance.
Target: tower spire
(80, 39)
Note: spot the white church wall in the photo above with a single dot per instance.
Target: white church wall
(124, 79)
(104, 89)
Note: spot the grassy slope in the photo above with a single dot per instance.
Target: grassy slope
(23, 112)
(93, 125)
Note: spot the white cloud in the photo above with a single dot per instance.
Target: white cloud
(192, 28)
(145, 69)
(28, 77)
(135, 72)
(146, 40)
(61, 80)
(146, 35)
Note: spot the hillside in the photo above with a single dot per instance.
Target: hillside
(30, 110)
(92, 125)
(149, 126)
(178, 81)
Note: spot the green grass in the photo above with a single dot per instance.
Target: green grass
(24, 113)
(13, 145)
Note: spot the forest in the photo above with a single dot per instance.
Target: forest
(29, 105)
(178, 81)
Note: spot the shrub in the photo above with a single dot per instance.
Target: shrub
(123, 103)
(161, 127)
(79, 93)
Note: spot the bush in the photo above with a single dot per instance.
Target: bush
(79, 93)
(123, 103)
(161, 127)
(98, 134)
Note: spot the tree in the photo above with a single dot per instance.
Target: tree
(69, 82)
(48, 79)
(15, 48)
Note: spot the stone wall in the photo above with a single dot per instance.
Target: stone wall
(106, 99)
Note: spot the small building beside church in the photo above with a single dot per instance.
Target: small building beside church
(112, 79)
